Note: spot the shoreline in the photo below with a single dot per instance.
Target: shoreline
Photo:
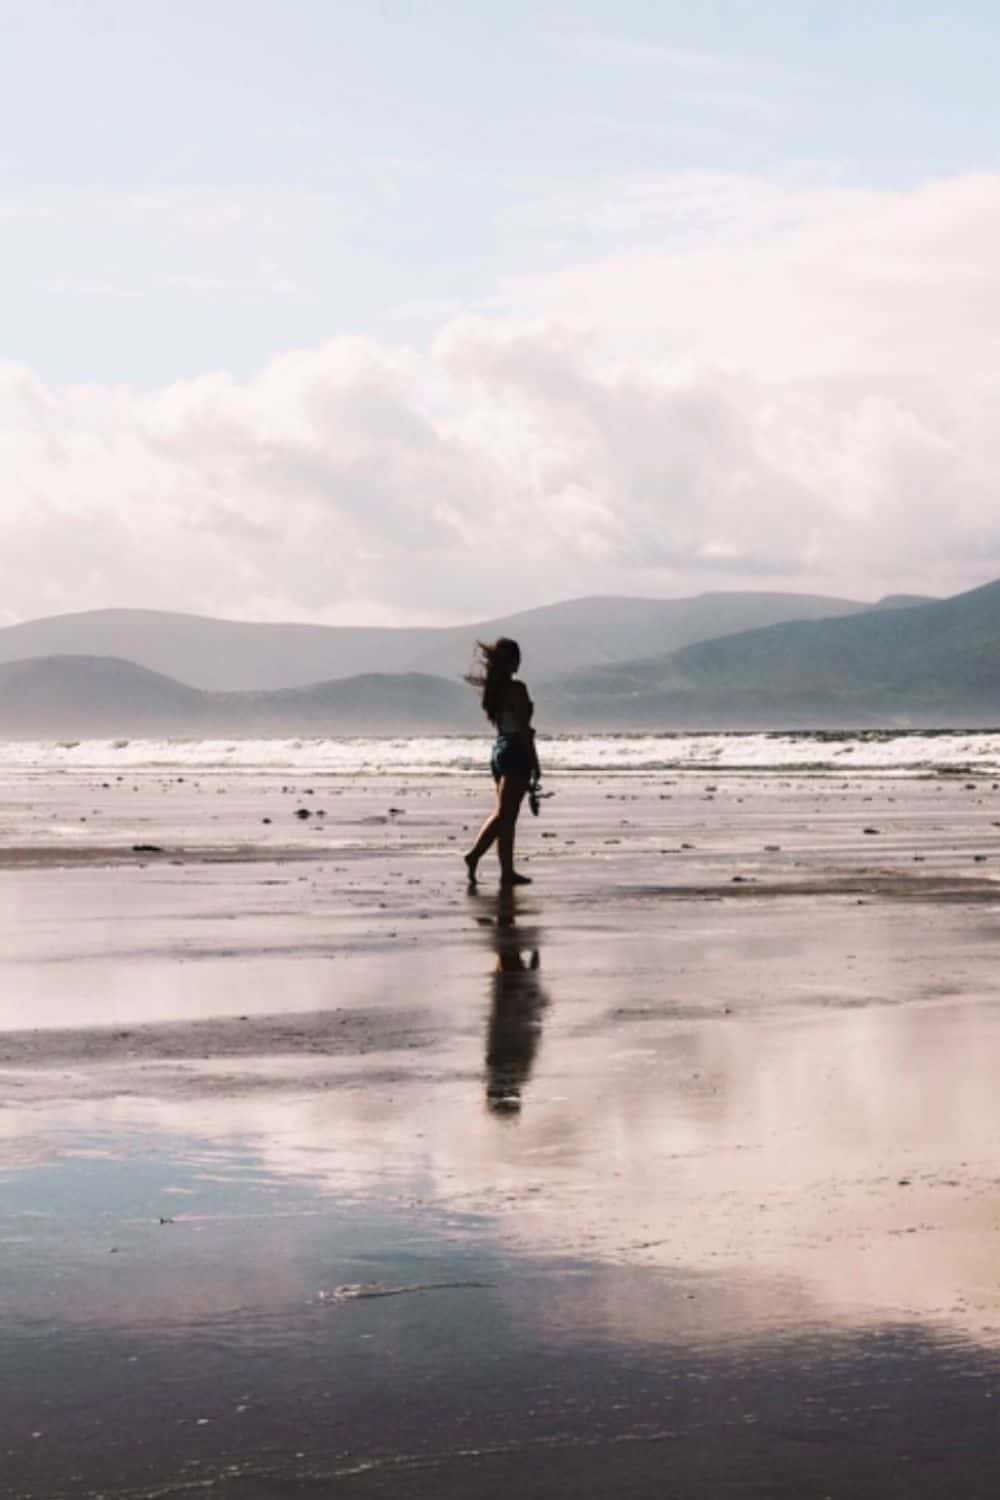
(303, 1133)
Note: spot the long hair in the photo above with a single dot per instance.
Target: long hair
(492, 671)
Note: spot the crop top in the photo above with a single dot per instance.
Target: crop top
(513, 722)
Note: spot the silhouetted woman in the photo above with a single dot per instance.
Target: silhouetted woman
(514, 762)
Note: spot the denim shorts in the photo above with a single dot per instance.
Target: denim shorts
(511, 757)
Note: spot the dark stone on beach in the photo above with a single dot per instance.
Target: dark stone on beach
(265, 820)
(871, 830)
(146, 849)
(302, 812)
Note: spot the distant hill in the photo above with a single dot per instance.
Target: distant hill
(372, 703)
(75, 696)
(926, 664)
(230, 656)
(78, 697)
(902, 601)
(560, 638)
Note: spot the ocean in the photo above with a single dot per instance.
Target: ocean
(820, 752)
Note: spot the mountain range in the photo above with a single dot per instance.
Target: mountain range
(106, 697)
(715, 661)
(234, 656)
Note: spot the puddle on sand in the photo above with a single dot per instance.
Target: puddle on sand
(177, 1318)
(323, 1188)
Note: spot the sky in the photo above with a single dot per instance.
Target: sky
(422, 311)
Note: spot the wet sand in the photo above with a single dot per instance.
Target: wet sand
(674, 1173)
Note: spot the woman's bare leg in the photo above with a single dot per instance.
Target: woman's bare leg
(499, 829)
(487, 837)
(511, 794)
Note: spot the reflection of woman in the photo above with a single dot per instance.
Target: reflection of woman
(507, 705)
(515, 1024)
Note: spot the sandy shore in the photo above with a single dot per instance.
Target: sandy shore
(674, 1173)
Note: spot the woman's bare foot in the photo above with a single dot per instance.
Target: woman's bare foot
(470, 865)
(515, 879)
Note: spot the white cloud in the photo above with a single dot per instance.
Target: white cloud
(792, 281)
(808, 405)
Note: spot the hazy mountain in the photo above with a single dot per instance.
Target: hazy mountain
(936, 663)
(226, 655)
(902, 601)
(76, 697)
(559, 638)
(373, 703)
(217, 655)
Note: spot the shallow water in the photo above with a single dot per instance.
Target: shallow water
(650, 1182)
(229, 1347)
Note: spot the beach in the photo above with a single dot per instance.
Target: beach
(672, 1173)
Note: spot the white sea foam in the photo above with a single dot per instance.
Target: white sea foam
(909, 752)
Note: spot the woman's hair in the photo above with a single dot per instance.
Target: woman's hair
(493, 669)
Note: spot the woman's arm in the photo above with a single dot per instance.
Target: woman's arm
(523, 709)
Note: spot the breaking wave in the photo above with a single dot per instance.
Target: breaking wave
(898, 752)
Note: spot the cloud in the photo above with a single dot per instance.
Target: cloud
(787, 280)
(809, 407)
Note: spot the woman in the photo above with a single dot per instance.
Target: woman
(514, 761)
